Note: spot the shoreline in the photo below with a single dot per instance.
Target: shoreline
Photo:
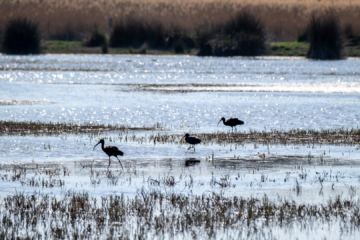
(278, 49)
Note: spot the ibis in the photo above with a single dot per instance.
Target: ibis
(232, 122)
(110, 150)
(191, 140)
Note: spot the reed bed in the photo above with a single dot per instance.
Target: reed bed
(73, 19)
(155, 214)
(273, 136)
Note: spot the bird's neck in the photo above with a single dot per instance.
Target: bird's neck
(223, 120)
(102, 146)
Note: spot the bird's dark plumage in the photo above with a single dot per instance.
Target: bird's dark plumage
(232, 122)
(191, 140)
(110, 150)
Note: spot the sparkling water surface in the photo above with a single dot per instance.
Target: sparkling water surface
(181, 92)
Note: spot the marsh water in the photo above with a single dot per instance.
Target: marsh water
(175, 95)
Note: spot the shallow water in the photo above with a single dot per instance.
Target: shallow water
(181, 94)
(249, 170)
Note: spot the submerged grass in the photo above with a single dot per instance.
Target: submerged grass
(50, 128)
(294, 136)
(154, 214)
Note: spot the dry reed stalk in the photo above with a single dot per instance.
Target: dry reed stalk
(283, 18)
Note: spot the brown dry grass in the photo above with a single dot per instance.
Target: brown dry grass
(283, 18)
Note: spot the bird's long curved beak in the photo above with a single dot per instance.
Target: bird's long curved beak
(96, 145)
(219, 122)
(182, 138)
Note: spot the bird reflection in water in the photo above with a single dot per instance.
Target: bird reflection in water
(191, 162)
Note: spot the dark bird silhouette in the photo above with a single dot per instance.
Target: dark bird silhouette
(232, 122)
(110, 151)
(191, 140)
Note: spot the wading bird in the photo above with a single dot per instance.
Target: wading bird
(232, 122)
(191, 140)
(110, 151)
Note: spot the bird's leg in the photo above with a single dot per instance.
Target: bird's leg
(109, 162)
(119, 162)
(189, 147)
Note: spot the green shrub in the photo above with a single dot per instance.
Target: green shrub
(325, 37)
(21, 36)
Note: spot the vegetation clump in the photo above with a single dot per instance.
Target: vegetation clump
(325, 37)
(21, 36)
(135, 33)
(243, 35)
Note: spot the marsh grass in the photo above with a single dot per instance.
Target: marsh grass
(16, 102)
(44, 178)
(49, 128)
(168, 181)
(293, 136)
(153, 214)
